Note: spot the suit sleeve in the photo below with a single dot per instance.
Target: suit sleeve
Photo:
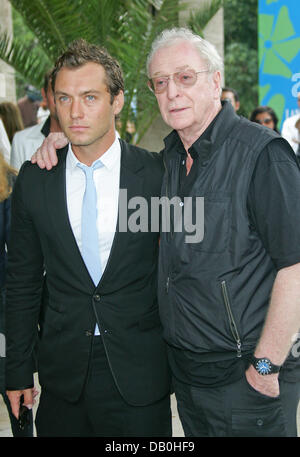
(24, 286)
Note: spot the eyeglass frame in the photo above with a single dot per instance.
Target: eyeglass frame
(168, 77)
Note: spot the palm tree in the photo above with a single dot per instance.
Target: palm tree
(125, 27)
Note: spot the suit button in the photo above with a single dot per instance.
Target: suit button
(97, 297)
(88, 333)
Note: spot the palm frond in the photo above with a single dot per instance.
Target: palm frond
(125, 27)
(200, 18)
(54, 22)
(26, 61)
(99, 18)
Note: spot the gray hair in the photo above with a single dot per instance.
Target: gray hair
(175, 35)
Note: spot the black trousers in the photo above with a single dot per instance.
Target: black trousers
(101, 410)
(237, 410)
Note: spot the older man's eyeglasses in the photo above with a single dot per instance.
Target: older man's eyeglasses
(184, 78)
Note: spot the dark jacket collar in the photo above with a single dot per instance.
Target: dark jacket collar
(130, 158)
(131, 179)
(211, 138)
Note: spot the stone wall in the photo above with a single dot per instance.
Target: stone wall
(7, 73)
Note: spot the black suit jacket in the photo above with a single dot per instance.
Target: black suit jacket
(124, 303)
(4, 238)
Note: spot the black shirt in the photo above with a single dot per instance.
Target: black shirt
(274, 212)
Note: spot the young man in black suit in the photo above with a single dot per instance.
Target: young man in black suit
(101, 357)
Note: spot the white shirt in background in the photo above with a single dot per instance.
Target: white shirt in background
(290, 132)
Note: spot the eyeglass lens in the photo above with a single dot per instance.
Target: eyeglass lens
(182, 78)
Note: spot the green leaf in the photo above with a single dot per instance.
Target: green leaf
(288, 50)
(23, 60)
(273, 65)
(284, 28)
(265, 22)
(125, 27)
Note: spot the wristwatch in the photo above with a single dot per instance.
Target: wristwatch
(264, 366)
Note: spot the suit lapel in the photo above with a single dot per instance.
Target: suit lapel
(55, 191)
(131, 180)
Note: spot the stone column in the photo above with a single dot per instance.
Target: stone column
(7, 73)
(213, 32)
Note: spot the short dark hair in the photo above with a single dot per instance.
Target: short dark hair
(265, 109)
(47, 80)
(233, 91)
(80, 52)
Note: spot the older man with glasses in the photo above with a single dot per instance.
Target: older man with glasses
(229, 303)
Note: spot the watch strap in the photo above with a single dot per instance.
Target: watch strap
(264, 366)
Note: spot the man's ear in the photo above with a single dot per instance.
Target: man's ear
(216, 78)
(118, 102)
(43, 93)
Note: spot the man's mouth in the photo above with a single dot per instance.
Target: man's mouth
(177, 110)
(78, 128)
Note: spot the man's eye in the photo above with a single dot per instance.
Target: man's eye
(63, 98)
(185, 76)
(90, 98)
(160, 82)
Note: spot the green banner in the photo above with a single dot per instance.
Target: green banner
(279, 55)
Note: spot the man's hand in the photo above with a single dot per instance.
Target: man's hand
(46, 156)
(282, 322)
(15, 396)
(266, 385)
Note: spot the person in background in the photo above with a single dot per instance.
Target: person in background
(12, 119)
(7, 179)
(28, 140)
(265, 115)
(43, 111)
(232, 96)
(29, 105)
(291, 130)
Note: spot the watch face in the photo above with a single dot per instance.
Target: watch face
(263, 366)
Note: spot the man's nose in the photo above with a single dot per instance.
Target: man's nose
(172, 88)
(76, 109)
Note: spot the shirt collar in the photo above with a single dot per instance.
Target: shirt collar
(109, 158)
(217, 129)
